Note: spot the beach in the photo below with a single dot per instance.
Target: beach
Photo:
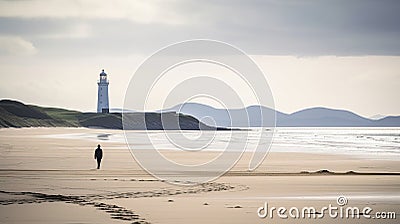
(48, 175)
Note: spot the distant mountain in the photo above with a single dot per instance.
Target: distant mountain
(325, 117)
(225, 118)
(312, 117)
(17, 114)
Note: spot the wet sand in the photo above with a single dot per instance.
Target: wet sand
(53, 180)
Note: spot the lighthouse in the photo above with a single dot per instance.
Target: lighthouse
(102, 94)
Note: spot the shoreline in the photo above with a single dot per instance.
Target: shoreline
(115, 139)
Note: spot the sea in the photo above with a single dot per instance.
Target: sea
(377, 143)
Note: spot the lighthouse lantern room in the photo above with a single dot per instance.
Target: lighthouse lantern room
(102, 94)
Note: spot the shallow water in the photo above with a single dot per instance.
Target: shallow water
(379, 143)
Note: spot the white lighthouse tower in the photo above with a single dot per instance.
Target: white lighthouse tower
(102, 94)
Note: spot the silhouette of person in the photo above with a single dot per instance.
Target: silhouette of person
(98, 154)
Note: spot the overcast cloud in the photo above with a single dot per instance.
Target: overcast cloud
(340, 54)
(301, 28)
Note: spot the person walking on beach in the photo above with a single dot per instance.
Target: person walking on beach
(98, 154)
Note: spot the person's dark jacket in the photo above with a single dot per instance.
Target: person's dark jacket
(98, 154)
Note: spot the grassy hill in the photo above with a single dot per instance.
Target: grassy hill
(16, 114)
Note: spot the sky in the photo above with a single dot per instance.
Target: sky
(337, 54)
